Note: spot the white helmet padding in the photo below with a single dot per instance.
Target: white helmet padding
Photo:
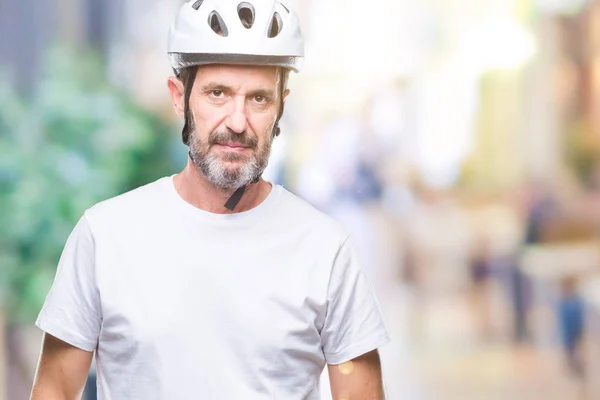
(256, 32)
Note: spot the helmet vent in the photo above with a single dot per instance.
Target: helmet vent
(276, 26)
(197, 4)
(246, 13)
(217, 24)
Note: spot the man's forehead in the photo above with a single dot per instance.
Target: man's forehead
(238, 75)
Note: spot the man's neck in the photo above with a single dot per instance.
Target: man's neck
(194, 188)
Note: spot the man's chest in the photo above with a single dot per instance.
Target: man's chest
(184, 308)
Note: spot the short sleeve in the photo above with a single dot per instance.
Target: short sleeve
(72, 311)
(354, 323)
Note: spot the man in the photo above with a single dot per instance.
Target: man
(183, 297)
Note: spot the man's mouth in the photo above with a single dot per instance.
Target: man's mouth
(232, 146)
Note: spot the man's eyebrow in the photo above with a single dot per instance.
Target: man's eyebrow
(270, 94)
(216, 86)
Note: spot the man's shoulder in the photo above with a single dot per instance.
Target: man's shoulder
(128, 203)
(305, 214)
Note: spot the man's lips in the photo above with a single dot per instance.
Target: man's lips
(232, 146)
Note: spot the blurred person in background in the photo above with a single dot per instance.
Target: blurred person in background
(570, 316)
(539, 208)
(214, 283)
(351, 184)
(481, 271)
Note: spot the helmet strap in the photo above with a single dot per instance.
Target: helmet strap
(187, 127)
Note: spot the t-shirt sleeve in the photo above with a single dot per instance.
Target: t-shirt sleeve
(354, 323)
(72, 311)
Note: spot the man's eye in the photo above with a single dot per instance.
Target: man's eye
(260, 99)
(216, 93)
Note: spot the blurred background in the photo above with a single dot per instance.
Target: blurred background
(459, 141)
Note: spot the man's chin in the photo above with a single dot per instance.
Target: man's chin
(231, 178)
(227, 174)
(232, 168)
(230, 185)
(234, 160)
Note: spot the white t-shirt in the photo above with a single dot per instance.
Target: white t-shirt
(180, 303)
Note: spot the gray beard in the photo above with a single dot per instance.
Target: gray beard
(217, 172)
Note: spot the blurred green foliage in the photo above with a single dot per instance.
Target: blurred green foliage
(76, 141)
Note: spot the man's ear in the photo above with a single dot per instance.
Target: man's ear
(177, 92)
(286, 94)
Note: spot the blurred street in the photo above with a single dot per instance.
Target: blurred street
(458, 142)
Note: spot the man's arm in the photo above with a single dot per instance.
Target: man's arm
(359, 379)
(62, 371)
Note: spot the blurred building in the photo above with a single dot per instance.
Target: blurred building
(33, 27)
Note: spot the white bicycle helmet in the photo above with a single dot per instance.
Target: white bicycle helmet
(256, 32)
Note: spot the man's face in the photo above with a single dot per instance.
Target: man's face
(233, 110)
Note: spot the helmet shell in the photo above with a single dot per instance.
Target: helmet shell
(255, 32)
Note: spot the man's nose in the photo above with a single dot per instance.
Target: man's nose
(237, 120)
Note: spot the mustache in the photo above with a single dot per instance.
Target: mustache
(244, 138)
